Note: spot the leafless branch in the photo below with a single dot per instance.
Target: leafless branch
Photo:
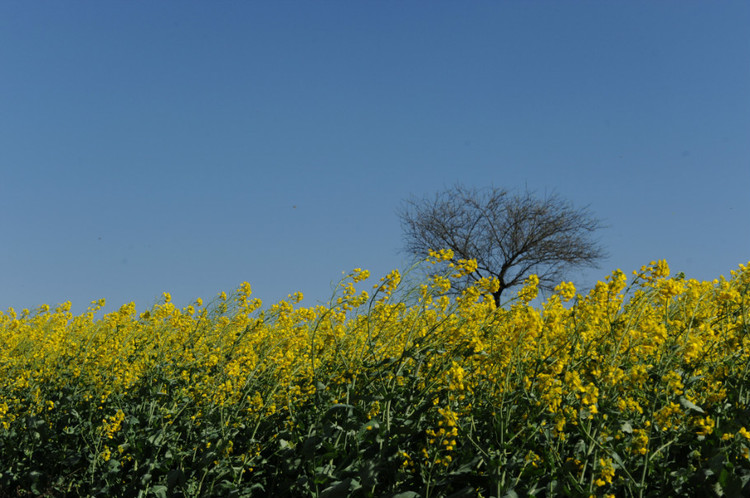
(511, 235)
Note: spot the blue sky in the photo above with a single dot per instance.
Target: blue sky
(190, 146)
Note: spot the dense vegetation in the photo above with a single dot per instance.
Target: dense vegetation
(628, 390)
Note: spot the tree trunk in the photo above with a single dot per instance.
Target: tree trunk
(496, 295)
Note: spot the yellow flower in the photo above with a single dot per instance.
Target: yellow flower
(532, 458)
(566, 290)
(113, 424)
(106, 454)
(359, 275)
(674, 382)
(374, 409)
(665, 417)
(441, 255)
(705, 426)
(529, 290)
(606, 472)
(590, 394)
(640, 441)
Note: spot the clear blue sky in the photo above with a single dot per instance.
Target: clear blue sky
(188, 146)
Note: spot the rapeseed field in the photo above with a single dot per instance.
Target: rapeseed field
(639, 387)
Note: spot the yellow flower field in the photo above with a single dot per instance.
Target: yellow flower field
(640, 387)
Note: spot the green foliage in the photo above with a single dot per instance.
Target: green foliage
(641, 392)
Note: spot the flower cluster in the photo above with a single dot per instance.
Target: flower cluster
(403, 387)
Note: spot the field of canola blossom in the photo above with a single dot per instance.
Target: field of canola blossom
(634, 389)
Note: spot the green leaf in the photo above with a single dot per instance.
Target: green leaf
(718, 490)
(617, 458)
(463, 493)
(724, 477)
(341, 488)
(374, 427)
(37, 479)
(580, 447)
(160, 491)
(113, 466)
(176, 477)
(467, 467)
(156, 439)
(689, 405)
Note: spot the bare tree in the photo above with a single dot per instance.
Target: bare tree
(510, 235)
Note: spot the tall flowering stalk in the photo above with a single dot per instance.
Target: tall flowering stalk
(635, 388)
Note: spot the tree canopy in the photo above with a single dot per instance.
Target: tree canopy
(510, 235)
